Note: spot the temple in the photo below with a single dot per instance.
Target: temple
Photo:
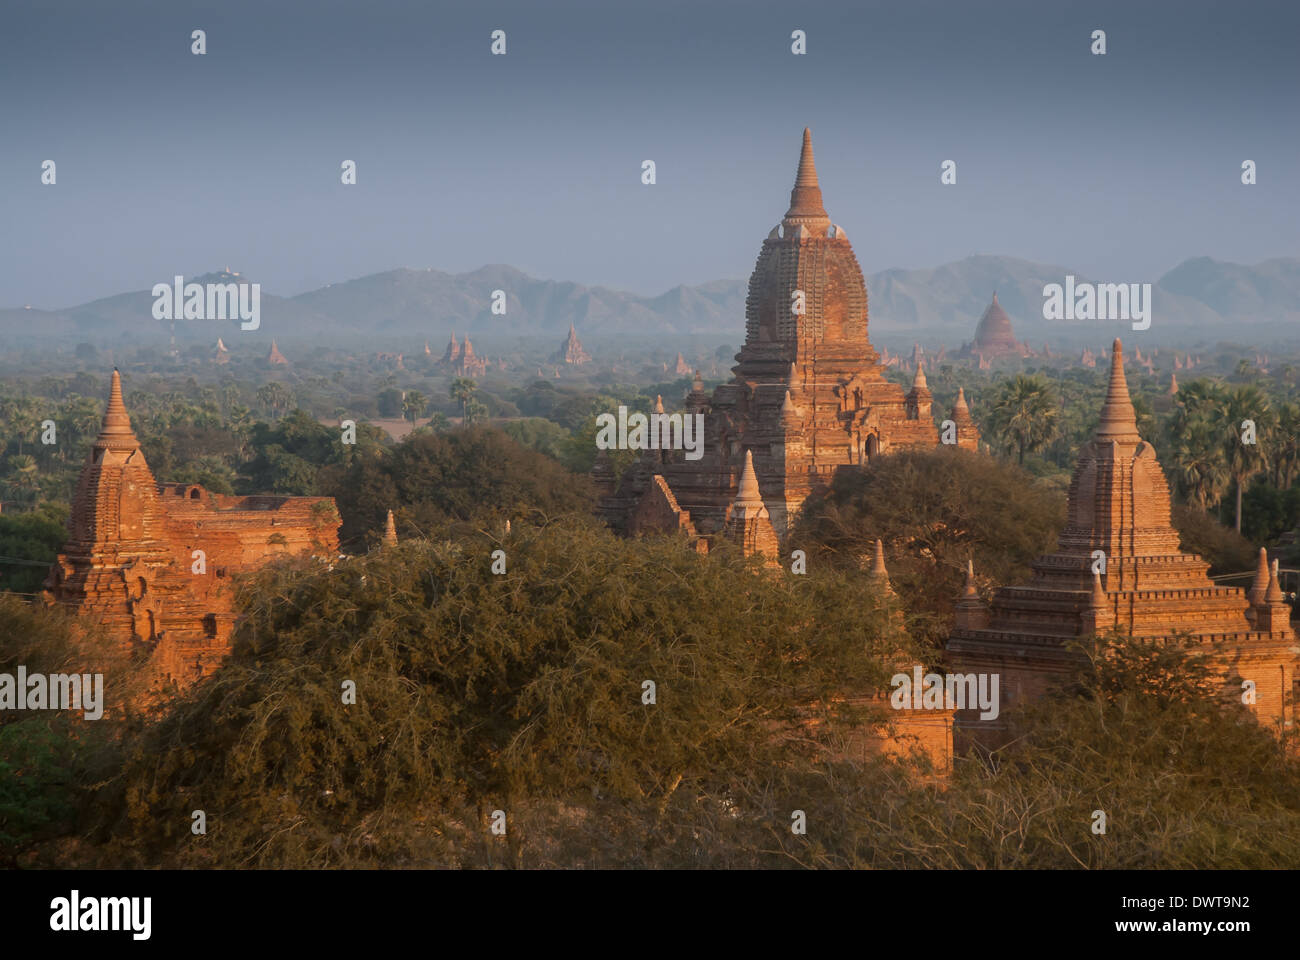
(571, 351)
(153, 562)
(993, 337)
(459, 359)
(808, 396)
(1119, 567)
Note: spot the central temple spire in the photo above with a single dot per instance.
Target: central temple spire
(116, 429)
(806, 197)
(1118, 418)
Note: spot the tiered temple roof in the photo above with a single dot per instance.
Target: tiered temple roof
(809, 394)
(151, 562)
(1118, 522)
(571, 350)
(460, 359)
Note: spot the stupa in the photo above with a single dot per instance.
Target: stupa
(1119, 566)
(808, 394)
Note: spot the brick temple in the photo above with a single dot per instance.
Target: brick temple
(131, 564)
(1151, 589)
(994, 338)
(460, 359)
(571, 350)
(808, 397)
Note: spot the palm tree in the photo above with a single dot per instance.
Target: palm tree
(1197, 463)
(413, 405)
(1286, 445)
(1199, 467)
(1246, 402)
(475, 411)
(274, 397)
(23, 472)
(1023, 415)
(462, 391)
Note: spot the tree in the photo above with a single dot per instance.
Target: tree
(1246, 456)
(476, 474)
(32, 537)
(413, 405)
(934, 510)
(462, 391)
(1194, 432)
(1023, 415)
(390, 403)
(1286, 445)
(521, 691)
(274, 398)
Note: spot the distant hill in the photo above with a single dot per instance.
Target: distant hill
(1199, 293)
(1266, 291)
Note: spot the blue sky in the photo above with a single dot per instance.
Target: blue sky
(1117, 166)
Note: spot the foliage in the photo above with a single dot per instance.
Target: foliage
(478, 692)
(34, 537)
(474, 474)
(1023, 415)
(934, 510)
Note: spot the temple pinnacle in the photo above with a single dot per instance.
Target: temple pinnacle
(1259, 588)
(960, 406)
(1118, 419)
(1274, 593)
(878, 562)
(748, 493)
(806, 197)
(117, 422)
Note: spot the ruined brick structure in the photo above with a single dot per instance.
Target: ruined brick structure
(1151, 589)
(808, 396)
(130, 562)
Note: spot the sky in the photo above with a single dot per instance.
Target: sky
(1119, 166)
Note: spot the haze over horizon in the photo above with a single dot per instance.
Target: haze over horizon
(1121, 166)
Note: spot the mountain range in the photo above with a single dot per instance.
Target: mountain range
(948, 300)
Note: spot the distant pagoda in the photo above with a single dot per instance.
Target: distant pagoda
(1119, 512)
(993, 336)
(222, 355)
(571, 351)
(275, 357)
(460, 360)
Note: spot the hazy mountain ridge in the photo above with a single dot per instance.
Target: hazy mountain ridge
(431, 303)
